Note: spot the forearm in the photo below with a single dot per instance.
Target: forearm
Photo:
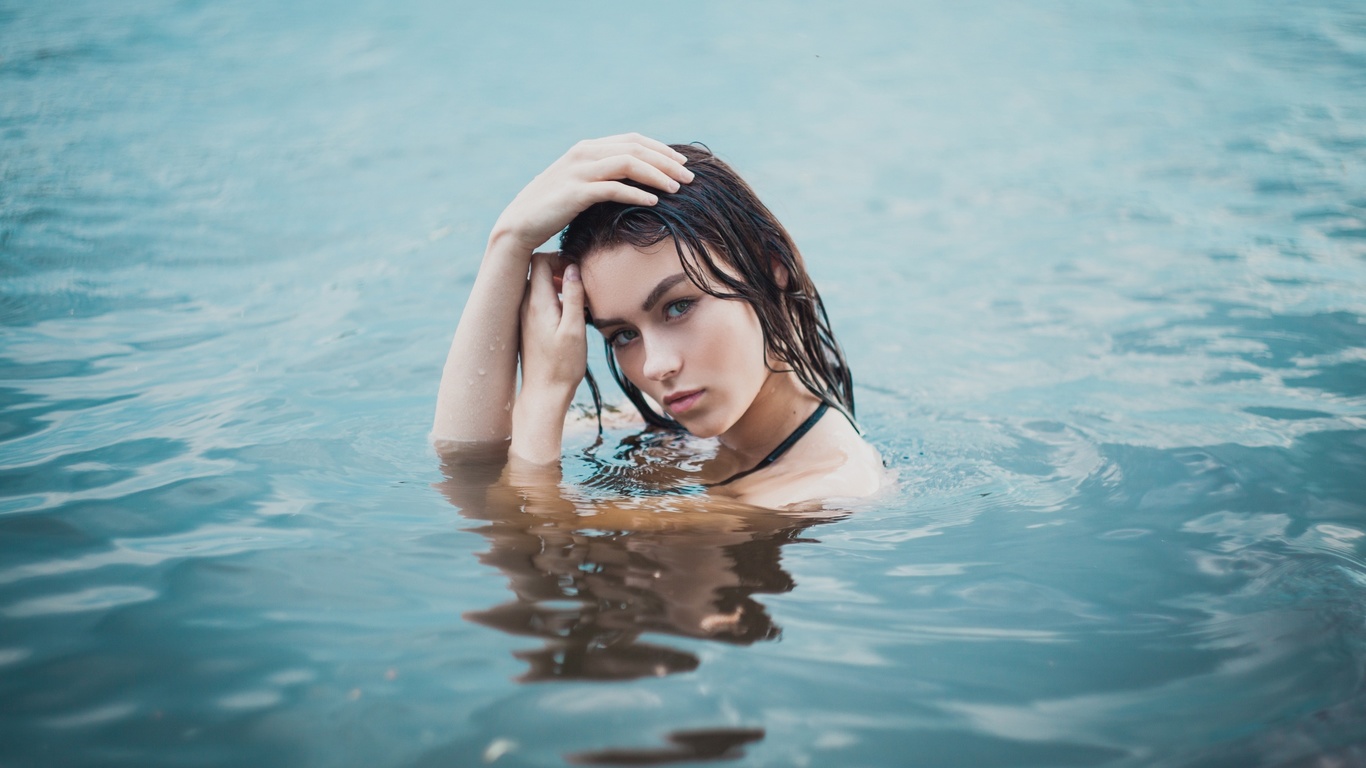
(538, 425)
(475, 400)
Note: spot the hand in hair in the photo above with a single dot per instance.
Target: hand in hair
(590, 172)
(475, 402)
(554, 354)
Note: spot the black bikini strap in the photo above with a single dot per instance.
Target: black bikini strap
(782, 448)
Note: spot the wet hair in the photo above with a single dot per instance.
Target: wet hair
(718, 218)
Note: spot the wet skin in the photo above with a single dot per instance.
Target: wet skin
(703, 359)
(700, 357)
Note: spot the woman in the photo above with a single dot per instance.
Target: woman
(706, 308)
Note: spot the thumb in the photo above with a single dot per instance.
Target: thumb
(572, 300)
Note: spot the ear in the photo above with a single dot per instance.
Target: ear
(780, 275)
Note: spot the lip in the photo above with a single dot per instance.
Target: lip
(680, 402)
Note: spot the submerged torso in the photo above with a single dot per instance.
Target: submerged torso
(829, 461)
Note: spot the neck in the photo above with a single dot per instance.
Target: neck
(780, 407)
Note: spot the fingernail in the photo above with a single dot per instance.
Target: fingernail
(571, 273)
(688, 175)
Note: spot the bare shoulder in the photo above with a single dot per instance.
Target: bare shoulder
(833, 461)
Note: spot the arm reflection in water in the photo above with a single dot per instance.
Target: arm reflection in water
(591, 575)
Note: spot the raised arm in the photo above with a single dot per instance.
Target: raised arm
(476, 399)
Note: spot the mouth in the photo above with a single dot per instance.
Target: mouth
(680, 402)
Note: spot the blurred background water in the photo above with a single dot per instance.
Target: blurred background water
(1100, 270)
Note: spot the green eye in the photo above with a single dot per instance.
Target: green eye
(622, 338)
(678, 308)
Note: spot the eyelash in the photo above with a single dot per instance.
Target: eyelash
(687, 307)
(681, 306)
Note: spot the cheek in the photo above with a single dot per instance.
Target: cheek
(734, 340)
(628, 362)
(723, 345)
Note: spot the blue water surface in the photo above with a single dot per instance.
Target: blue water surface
(1100, 270)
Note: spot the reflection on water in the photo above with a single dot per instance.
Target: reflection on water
(592, 576)
(694, 746)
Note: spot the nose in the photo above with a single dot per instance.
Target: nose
(662, 361)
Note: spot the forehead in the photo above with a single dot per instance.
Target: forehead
(606, 262)
(617, 278)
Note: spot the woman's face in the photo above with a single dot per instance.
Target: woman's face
(700, 357)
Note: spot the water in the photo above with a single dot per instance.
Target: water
(1100, 274)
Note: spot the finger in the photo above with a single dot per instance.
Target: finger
(667, 162)
(620, 193)
(658, 146)
(542, 289)
(571, 319)
(556, 262)
(526, 303)
(634, 169)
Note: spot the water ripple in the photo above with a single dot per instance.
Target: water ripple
(93, 599)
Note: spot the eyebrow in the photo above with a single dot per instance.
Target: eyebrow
(650, 301)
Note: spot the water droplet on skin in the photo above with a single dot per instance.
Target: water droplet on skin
(483, 372)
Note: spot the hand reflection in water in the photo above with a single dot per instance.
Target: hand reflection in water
(591, 575)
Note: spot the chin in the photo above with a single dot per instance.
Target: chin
(705, 433)
(703, 427)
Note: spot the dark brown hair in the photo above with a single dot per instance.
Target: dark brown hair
(718, 217)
